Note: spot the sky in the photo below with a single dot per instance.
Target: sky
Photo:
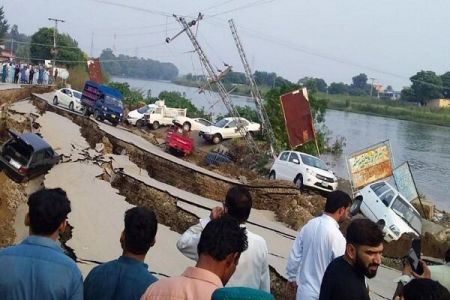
(330, 39)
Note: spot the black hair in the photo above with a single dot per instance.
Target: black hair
(140, 230)
(447, 255)
(238, 201)
(48, 208)
(336, 200)
(425, 289)
(222, 237)
(364, 232)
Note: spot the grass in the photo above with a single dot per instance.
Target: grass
(388, 108)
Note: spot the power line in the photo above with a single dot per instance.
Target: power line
(153, 12)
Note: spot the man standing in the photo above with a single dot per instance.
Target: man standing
(37, 268)
(316, 245)
(345, 276)
(127, 277)
(220, 246)
(253, 269)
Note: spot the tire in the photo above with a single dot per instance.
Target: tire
(355, 208)
(140, 123)
(217, 138)
(272, 176)
(155, 125)
(55, 100)
(85, 111)
(115, 124)
(96, 115)
(299, 181)
(187, 126)
(71, 106)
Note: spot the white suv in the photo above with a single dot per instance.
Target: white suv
(303, 169)
(380, 202)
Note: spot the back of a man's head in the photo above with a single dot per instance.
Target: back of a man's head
(336, 200)
(140, 230)
(364, 232)
(425, 289)
(238, 202)
(48, 208)
(222, 237)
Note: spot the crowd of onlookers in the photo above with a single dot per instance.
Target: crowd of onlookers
(231, 262)
(19, 73)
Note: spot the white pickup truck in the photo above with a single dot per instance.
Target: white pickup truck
(161, 115)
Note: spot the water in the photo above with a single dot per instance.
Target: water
(426, 147)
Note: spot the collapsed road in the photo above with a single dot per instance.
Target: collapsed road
(106, 170)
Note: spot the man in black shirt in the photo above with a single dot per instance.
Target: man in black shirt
(344, 277)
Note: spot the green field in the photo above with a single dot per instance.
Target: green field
(387, 108)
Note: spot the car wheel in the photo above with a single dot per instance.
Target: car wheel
(96, 114)
(115, 124)
(217, 138)
(356, 206)
(140, 123)
(55, 100)
(71, 106)
(155, 125)
(299, 181)
(187, 126)
(272, 175)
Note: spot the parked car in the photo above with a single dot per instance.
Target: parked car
(303, 170)
(25, 156)
(135, 117)
(380, 202)
(192, 123)
(227, 128)
(69, 98)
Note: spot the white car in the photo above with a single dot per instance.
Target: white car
(303, 170)
(227, 128)
(69, 98)
(380, 202)
(135, 115)
(191, 123)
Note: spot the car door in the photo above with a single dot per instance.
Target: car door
(36, 165)
(280, 165)
(292, 166)
(65, 97)
(229, 130)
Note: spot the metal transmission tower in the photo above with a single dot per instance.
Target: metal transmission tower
(262, 114)
(214, 79)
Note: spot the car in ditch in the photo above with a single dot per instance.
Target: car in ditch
(69, 98)
(135, 117)
(25, 156)
(228, 128)
(192, 123)
(382, 203)
(303, 170)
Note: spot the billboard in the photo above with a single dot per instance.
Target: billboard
(369, 165)
(405, 182)
(95, 70)
(297, 117)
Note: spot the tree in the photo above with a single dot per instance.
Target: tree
(446, 84)
(338, 88)
(317, 84)
(360, 81)
(3, 23)
(426, 85)
(389, 88)
(407, 94)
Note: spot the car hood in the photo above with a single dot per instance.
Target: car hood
(211, 129)
(134, 115)
(325, 173)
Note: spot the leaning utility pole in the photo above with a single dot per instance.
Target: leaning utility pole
(371, 86)
(262, 114)
(213, 78)
(54, 51)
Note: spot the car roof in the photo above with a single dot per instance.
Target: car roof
(33, 140)
(302, 153)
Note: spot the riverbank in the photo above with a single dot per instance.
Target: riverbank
(386, 108)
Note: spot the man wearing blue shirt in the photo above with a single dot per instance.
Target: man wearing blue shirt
(37, 268)
(127, 277)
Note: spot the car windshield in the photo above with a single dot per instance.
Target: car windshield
(221, 123)
(113, 101)
(77, 94)
(18, 150)
(143, 109)
(405, 211)
(313, 162)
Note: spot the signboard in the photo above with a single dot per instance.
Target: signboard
(297, 117)
(405, 182)
(369, 165)
(95, 70)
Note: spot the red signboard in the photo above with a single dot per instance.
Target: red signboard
(95, 70)
(297, 117)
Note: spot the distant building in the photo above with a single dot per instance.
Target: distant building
(438, 103)
(6, 54)
(390, 95)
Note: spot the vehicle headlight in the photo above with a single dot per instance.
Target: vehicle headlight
(395, 230)
(121, 114)
(104, 108)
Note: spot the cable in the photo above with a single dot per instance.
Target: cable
(154, 12)
(250, 5)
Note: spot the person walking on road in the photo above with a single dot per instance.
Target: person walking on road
(316, 245)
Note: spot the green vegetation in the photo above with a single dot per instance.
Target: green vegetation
(3, 23)
(176, 99)
(387, 108)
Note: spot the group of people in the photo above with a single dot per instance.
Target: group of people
(25, 74)
(231, 262)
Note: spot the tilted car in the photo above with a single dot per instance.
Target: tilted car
(380, 202)
(192, 123)
(135, 117)
(68, 98)
(303, 170)
(25, 156)
(227, 128)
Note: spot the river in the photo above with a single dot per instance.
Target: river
(425, 147)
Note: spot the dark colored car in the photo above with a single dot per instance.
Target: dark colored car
(25, 156)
